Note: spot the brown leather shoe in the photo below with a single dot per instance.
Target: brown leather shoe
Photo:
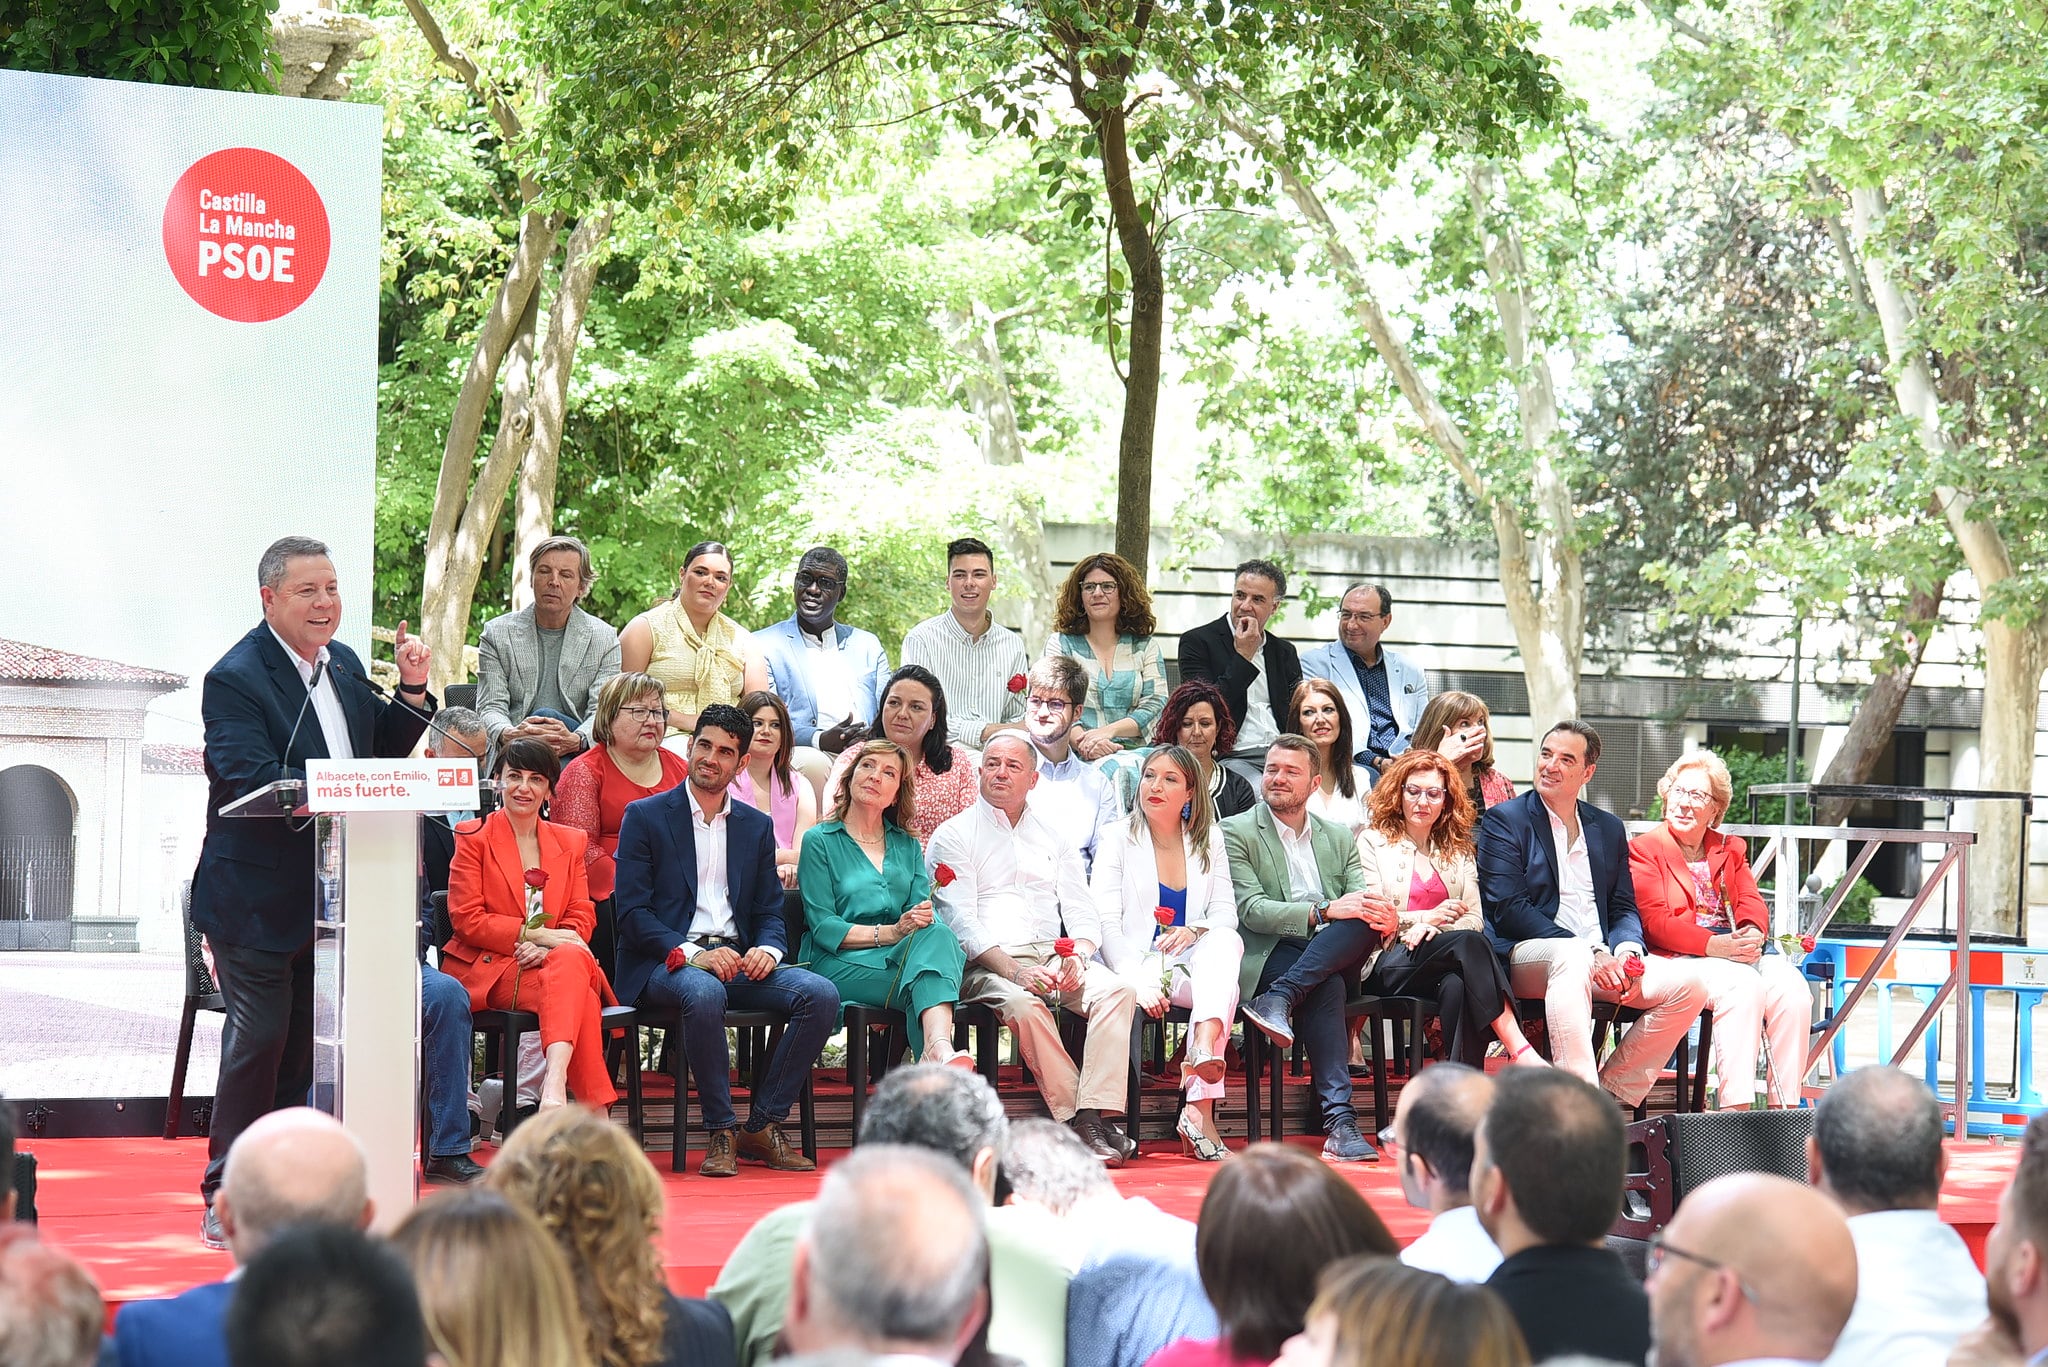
(770, 1146)
(1096, 1136)
(719, 1162)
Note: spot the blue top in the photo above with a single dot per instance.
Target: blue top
(1379, 701)
(1177, 900)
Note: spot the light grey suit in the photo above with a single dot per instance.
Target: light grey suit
(508, 667)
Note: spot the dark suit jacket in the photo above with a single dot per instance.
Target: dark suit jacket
(699, 1334)
(185, 1331)
(254, 885)
(1575, 1301)
(1518, 873)
(1210, 652)
(655, 896)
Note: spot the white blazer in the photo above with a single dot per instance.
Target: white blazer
(1389, 868)
(1126, 887)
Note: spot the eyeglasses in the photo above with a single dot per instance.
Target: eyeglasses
(1422, 794)
(1359, 619)
(1661, 1249)
(643, 713)
(806, 580)
(1099, 588)
(1690, 797)
(1047, 704)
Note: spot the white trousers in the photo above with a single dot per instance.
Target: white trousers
(1766, 1000)
(1206, 984)
(1670, 995)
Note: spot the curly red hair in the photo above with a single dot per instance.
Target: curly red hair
(1452, 833)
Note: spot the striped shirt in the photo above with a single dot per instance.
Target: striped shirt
(975, 673)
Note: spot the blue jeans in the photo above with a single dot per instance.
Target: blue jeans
(809, 1001)
(444, 1056)
(1311, 976)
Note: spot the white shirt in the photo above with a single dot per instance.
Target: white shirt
(831, 678)
(1333, 806)
(1577, 911)
(1917, 1291)
(1456, 1245)
(326, 705)
(1257, 728)
(975, 672)
(714, 915)
(1013, 887)
(1304, 877)
(1077, 800)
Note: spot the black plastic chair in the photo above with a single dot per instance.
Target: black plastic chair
(978, 1023)
(865, 1065)
(201, 994)
(759, 1032)
(1265, 1060)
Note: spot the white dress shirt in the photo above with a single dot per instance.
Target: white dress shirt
(326, 705)
(1013, 887)
(975, 672)
(1917, 1291)
(1257, 728)
(831, 677)
(1455, 1245)
(1577, 910)
(714, 914)
(1078, 801)
(1304, 876)
(1348, 812)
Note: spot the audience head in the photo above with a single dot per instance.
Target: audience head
(970, 575)
(51, 1313)
(880, 775)
(1171, 785)
(527, 771)
(704, 580)
(928, 1296)
(292, 1167)
(1696, 791)
(1272, 1220)
(1317, 711)
(947, 1110)
(630, 708)
(821, 582)
(301, 593)
(560, 570)
(1009, 771)
(1420, 784)
(599, 1198)
(1045, 1164)
(2016, 1255)
(912, 713)
(1363, 615)
(1556, 1175)
(494, 1289)
(462, 735)
(1196, 716)
(1257, 588)
(1450, 711)
(1054, 689)
(7, 1132)
(1876, 1142)
(1434, 1123)
(1105, 587)
(1753, 1265)
(1293, 768)
(327, 1296)
(719, 747)
(1379, 1311)
(1565, 760)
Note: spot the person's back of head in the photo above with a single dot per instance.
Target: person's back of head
(1876, 1142)
(1378, 1311)
(1438, 1116)
(1272, 1220)
(1552, 1148)
(947, 1110)
(291, 1167)
(51, 1313)
(893, 1258)
(1046, 1164)
(494, 1290)
(323, 1295)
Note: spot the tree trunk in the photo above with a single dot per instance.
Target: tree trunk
(535, 505)
(1870, 729)
(1026, 574)
(1147, 337)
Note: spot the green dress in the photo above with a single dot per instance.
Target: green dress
(842, 889)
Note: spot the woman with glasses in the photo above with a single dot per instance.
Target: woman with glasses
(1458, 727)
(1103, 621)
(1699, 903)
(1416, 852)
(700, 655)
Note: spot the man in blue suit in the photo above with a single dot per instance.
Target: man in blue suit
(286, 693)
(1384, 691)
(1561, 908)
(292, 1167)
(700, 914)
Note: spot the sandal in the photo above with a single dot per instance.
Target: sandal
(1194, 1139)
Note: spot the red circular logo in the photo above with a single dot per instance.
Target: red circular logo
(246, 235)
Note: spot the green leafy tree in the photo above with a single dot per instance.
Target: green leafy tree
(210, 44)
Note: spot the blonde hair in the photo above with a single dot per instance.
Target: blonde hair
(619, 690)
(599, 1197)
(901, 810)
(1201, 810)
(1720, 785)
(494, 1289)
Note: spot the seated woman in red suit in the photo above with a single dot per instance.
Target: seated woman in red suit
(503, 958)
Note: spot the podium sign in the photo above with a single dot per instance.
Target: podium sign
(384, 785)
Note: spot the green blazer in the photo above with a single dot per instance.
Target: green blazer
(1267, 911)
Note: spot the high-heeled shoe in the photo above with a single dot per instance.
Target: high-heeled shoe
(1194, 1139)
(1201, 1064)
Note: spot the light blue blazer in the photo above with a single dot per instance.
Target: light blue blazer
(1407, 687)
(789, 661)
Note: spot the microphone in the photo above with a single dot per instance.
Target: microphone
(427, 717)
(311, 684)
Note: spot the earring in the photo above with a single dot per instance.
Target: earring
(1187, 810)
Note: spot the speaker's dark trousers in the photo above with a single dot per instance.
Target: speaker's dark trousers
(266, 1047)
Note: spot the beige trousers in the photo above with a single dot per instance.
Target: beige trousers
(1100, 1083)
(1669, 993)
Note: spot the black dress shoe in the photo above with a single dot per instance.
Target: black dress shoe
(459, 1168)
(1096, 1136)
(1122, 1139)
(210, 1231)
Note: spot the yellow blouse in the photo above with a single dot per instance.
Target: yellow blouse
(696, 669)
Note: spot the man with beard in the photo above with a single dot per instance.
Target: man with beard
(2016, 1263)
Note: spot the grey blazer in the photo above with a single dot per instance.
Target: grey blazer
(508, 667)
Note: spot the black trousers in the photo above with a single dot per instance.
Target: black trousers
(1460, 970)
(266, 1046)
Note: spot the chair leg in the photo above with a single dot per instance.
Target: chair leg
(508, 1069)
(807, 1116)
(679, 1156)
(175, 1105)
(1699, 1072)
(1134, 1089)
(636, 1114)
(1276, 1092)
(1417, 1042)
(1254, 1070)
(1378, 1063)
(857, 1076)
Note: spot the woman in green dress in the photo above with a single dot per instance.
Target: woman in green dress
(868, 909)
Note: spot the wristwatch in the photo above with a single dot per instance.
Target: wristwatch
(1320, 916)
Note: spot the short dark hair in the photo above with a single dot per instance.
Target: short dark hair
(325, 1296)
(1557, 1141)
(2030, 1184)
(534, 756)
(968, 545)
(936, 749)
(825, 555)
(1580, 729)
(927, 1106)
(1443, 1116)
(1879, 1134)
(723, 716)
(1386, 598)
(1301, 745)
(1273, 1219)
(1266, 568)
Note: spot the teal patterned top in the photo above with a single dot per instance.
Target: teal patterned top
(1134, 686)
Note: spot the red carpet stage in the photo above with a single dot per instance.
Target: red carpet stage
(129, 1208)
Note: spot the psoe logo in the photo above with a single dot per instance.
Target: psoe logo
(452, 778)
(246, 235)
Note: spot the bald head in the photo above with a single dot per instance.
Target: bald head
(292, 1167)
(1785, 1283)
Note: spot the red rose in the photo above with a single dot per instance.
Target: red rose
(536, 878)
(1163, 915)
(1016, 683)
(1632, 966)
(1806, 943)
(943, 876)
(1064, 947)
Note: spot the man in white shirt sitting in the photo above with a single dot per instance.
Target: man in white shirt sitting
(1076, 798)
(1012, 888)
(1876, 1148)
(1434, 1122)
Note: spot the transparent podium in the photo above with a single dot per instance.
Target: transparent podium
(366, 945)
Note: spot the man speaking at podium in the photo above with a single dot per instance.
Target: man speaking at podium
(286, 693)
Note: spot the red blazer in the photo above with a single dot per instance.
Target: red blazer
(1668, 901)
(487, 897)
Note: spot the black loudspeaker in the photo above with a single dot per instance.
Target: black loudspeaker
(24, 1178)
(1674, 1154)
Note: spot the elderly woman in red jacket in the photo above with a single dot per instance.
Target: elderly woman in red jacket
(1699, 901)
